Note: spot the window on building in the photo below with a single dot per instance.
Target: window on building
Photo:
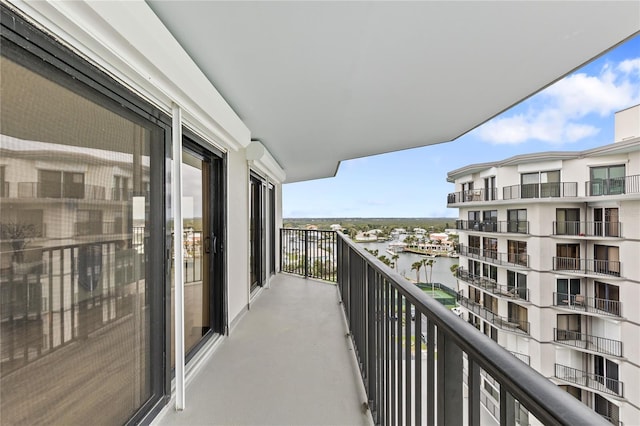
(606, 222)
(606, 260)
(568, 327)
(606, 372)
(607, 409)
(607, 297)
(519, 316)
(567, 222)
(490, 192)
(89, 222)
(56, 184)
(490, 272)
(474, 268)
(567, 291)
(473, 220)
(120, 188)
(517, 284)
(490, 248)
(490, 220)
(517, 252)
(567, 257)
(491, 303)
(468, 191)
(474, 245)
(4, 185)
(607, 180)
(517, 221)
(540, 184)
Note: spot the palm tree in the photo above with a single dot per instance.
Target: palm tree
(417, 266)
(395, 258)
(429, 263)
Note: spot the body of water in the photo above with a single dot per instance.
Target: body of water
(441, 268)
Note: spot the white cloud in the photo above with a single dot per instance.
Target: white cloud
(560, 113)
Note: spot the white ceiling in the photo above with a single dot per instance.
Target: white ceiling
(321, 82)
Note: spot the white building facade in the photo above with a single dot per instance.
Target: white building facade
(549, 266)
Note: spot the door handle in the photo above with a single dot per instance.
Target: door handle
(214, 240)
(207, 245)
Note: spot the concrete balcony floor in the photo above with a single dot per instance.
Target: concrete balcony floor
(288, 361)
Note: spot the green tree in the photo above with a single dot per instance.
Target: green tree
(416, 266)
(429, 263)
(395, 258)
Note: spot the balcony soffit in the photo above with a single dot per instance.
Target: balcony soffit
(322, 82)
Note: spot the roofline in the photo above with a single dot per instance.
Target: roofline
(612, 148)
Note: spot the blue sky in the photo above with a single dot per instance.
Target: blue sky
(576, 113)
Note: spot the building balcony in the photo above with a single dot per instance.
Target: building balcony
(593, 305)
(613, 186)
(47, 190)
(576, 339)
(542, 190)
(587, 266)
(588, 229)
(502, 227)
(500, 290)
(592, 381)
(472, 195)
(504, 259)
(513, 325)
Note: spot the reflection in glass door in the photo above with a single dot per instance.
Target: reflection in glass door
(202, 270)
(195, 190)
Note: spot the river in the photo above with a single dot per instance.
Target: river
(441, 268)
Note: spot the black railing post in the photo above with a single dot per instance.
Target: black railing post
(306, 252)
(449, 381)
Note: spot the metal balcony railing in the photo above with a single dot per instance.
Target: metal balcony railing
(540, 190)
(472, 195)
(587, 266)
(594, 305)
(588, 229)
(492, 286)
(580, 340)
(522, 357)
(310, 253)
(613, 186)
(592, 381)
(507, 324)
(503, 226)
(378, 303)
(492, 256)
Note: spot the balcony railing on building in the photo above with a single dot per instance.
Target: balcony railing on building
(587, 266)
(522, 357)
(594, 305)
(503, 226)
(540, 190)
(588, 229)
(590, 380)
(472, 195)
(492, 256)
(490, 285)
(379, 305)
(515, 325)
(48, 190)
(613, 186)
(589, 342)
(310, 253)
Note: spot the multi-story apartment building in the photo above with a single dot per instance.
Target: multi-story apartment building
(142, 158)
(549, 266)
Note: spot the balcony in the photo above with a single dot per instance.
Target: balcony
(587, 266)
(379, 304)
(503, 226)
(578, 302)
(46, 190)
(514, 325)
(613, 186)
(596, 382)
(491, 256)
(588, 229)
(472, 195)
(542, 190)
(576, 339)
(492, 286)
